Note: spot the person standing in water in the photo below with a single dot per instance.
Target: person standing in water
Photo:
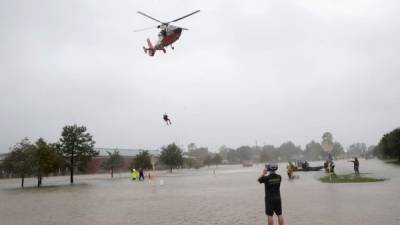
(133, 174)
(356, 165)
(273, 202)
(141, 174)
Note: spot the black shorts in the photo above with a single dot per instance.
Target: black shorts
(272, 206)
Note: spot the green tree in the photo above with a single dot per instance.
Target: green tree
(382, 150)
(232, 156)
(288, 151)
(271, 151)
(327, 141)
(217, 159)
(337, 149)
(244, 153)
(142, 160)
(357, 149)
(77, 146)
(192, 146)
(389, 145)
(199, 153)
(208, 160)
(19, 161)
(264, 156)
(45, 159)
(394, 143)
(113, 162)
(223, 152)
(171, 156)
(314, 151)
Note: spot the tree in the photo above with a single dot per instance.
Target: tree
(271, 151)
(142, 160)
(232, 156)
(288, 151)
(45, 159)
(357, 149)
(77, 146)
(337, 149)
(327, 142)
(208, 160)
(217, 159)
(19, 161)
(223, 152)
(264, 156)
(314, 151)
(198, 154)
(244, 153)
(394, 143)
(389, 145)
(192, 146)
(113, 162)
(370, 151)
(171, 156)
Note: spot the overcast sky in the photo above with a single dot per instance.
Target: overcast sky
(246, 71)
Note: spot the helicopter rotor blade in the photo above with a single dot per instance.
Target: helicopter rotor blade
(183, 17)
(146, 28)
(144, 14)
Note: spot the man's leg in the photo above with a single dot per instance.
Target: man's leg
(270, 220)
(280, 220)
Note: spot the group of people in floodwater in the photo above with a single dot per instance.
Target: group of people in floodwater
(137, 175)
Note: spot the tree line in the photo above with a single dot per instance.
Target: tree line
(75, 148)
(389, 146)
(69, 154)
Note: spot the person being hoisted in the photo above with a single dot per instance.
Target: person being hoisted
(166, 119)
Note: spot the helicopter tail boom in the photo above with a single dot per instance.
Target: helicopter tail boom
(150, 49)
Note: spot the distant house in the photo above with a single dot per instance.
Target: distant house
(94, 165)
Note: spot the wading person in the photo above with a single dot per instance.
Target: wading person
(134, 174)
(356, 166)
(141, 174)
(272, 183)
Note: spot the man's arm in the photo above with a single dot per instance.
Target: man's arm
(262, 177)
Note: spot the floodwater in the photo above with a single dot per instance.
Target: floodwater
(231, 196)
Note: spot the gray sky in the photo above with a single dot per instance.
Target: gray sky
(270, 71)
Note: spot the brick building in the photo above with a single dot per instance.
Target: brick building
(94, 165)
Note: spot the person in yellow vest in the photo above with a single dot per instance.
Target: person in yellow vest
(134, 174)
(290, 171)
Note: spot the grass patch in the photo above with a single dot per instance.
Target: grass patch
(349, 178)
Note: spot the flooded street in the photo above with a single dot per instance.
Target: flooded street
(231, 196)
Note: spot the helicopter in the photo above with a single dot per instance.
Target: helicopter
(168, 34)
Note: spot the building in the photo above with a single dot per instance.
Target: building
(94, 165)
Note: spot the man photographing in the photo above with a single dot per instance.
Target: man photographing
(272, 182)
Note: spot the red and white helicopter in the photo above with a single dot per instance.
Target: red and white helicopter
(168, 34)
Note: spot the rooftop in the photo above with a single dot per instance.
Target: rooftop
(125, 152)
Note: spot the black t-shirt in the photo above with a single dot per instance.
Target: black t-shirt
(272, 184)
